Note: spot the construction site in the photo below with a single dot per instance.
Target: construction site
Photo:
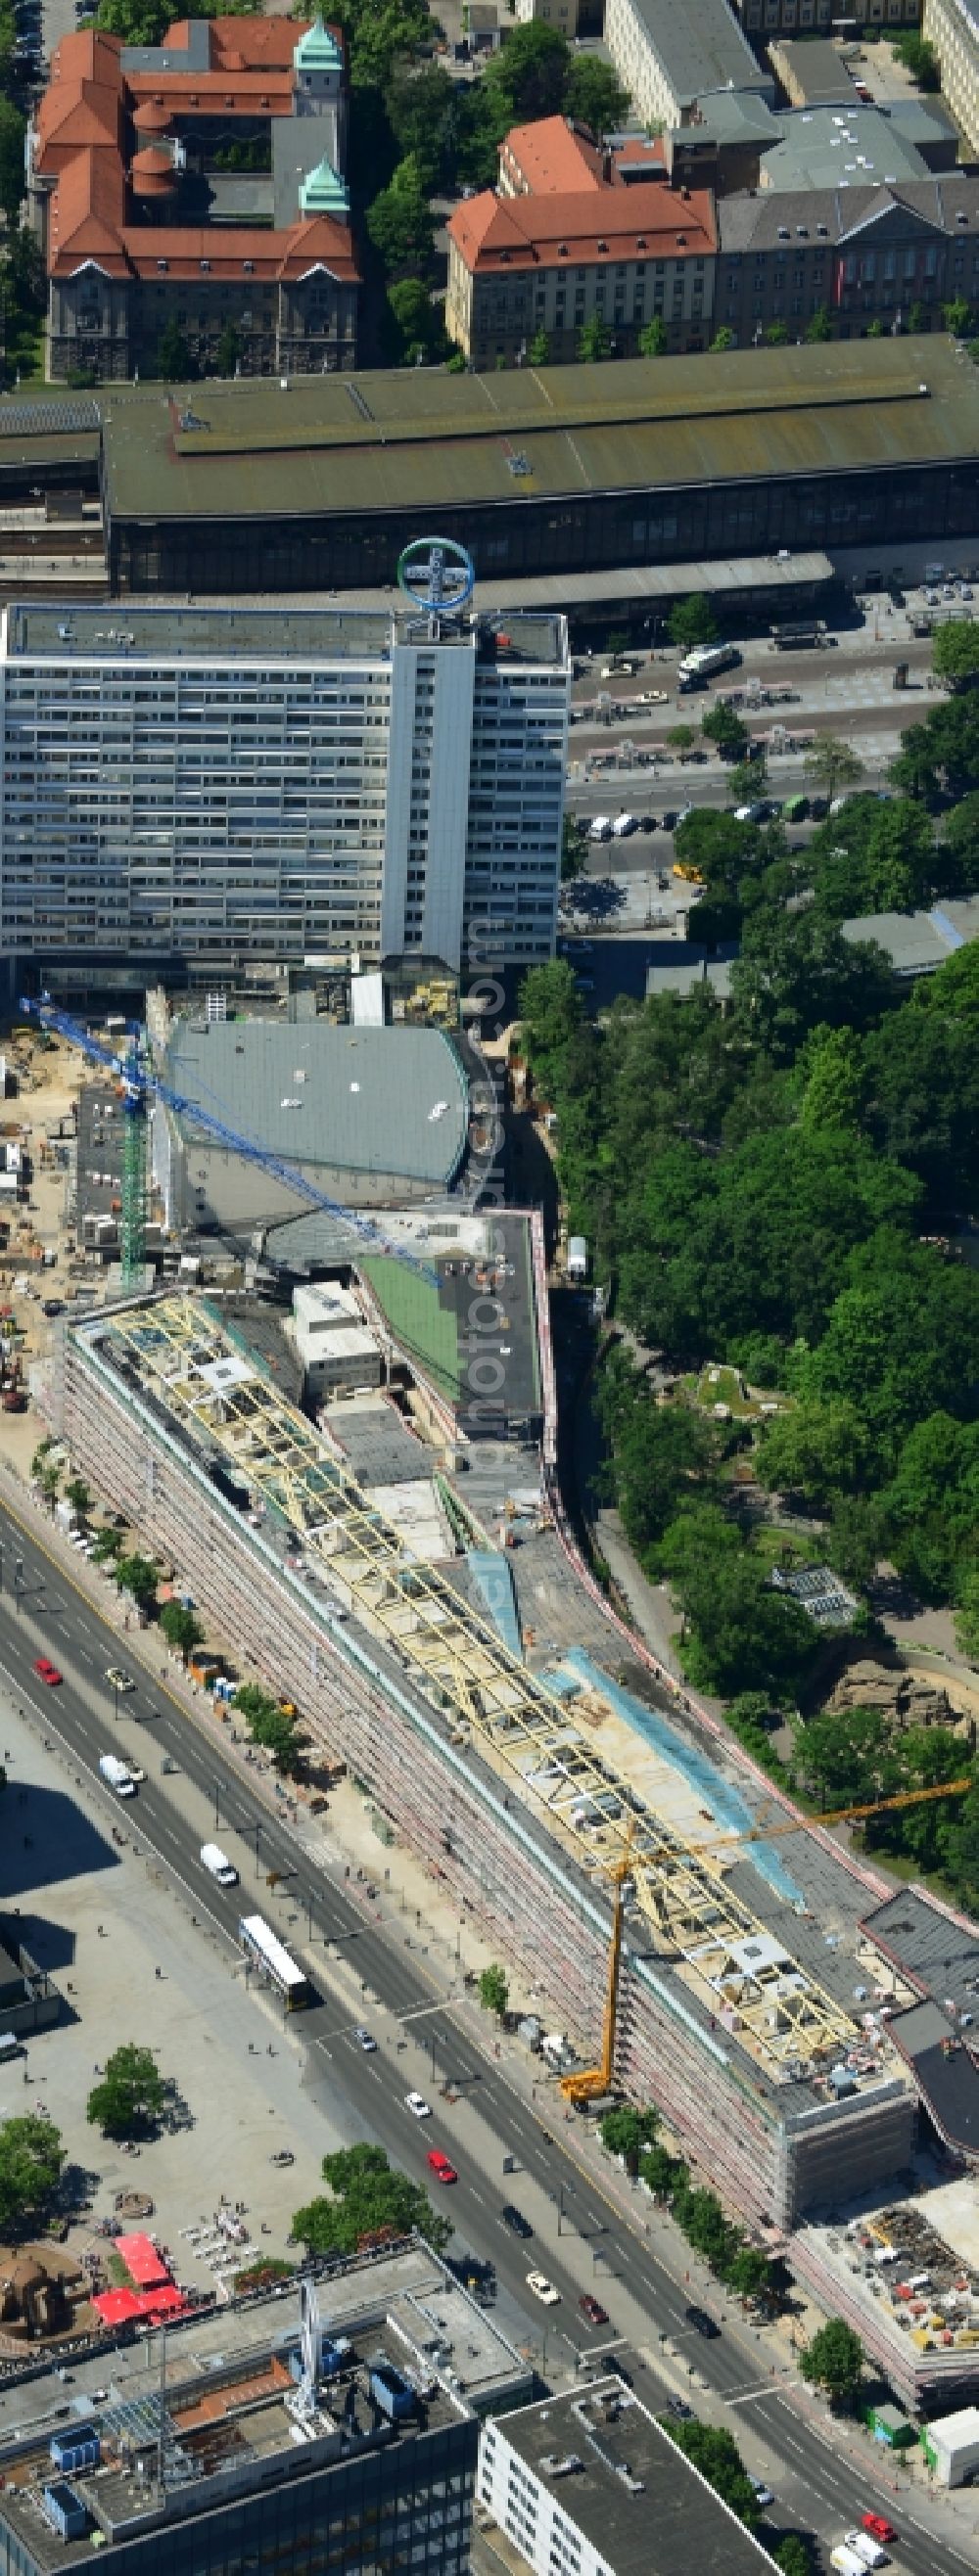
(321, 1486)
(517, 1787)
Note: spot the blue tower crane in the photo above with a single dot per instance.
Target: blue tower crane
(139, 1085)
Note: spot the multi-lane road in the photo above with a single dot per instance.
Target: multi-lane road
(580, 2239)
(846, 690)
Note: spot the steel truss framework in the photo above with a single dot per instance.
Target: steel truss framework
(209, 1381)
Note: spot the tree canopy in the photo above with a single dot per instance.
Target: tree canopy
(834, 2360)
(955, 654)
(367, 2196)
(714, 2451)
(130, 2093)
(269, 1725)
(773, 1186)
(31, 2158)
(692, 621)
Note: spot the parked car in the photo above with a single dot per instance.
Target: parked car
(441, 2168)
(46, 1671)
(514, 2219)
(593, 2310)
(417, 2105)
(543, 2289)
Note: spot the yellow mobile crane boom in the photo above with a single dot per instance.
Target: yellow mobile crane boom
(840, 1815)
(592, 2084)
(595, 2081)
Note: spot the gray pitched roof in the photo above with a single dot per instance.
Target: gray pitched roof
(790, 217)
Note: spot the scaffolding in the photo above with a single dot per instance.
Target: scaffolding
(207, 1380)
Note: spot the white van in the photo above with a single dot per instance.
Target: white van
(217, 1863)
(868, 2549)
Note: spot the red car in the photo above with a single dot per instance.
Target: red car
(47, 1672)
(441, 2168)
(593, 2310)
(878, 2526)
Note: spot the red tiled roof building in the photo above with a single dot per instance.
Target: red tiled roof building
(574, 236)
(197, 183)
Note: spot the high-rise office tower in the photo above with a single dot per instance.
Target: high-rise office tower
(218, 785)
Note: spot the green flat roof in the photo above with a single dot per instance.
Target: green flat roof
(425, 1328)
(414, 440)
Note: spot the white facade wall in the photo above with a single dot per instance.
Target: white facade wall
(640, 68)
(552, 13)
(953, 2445)
(531, 2513)
(181, 803)
(516, 800)
(952, 26)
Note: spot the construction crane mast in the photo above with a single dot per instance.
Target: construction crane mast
(140, 1087)
(595, 2081)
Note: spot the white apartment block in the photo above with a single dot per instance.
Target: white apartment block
(221, 785)
(587, 2483)
(952, 26)
(671, 59)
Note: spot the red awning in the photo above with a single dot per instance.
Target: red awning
(117, 2307)
(162, 2303)
(141, 2259)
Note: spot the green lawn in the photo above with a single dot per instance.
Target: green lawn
(778, 1546)
(722, 1385)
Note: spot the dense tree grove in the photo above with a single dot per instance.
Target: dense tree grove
(776, 1185)
(417, 134)
(22, 282)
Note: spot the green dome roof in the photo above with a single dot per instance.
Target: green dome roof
(317, 50)
(323, 192)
